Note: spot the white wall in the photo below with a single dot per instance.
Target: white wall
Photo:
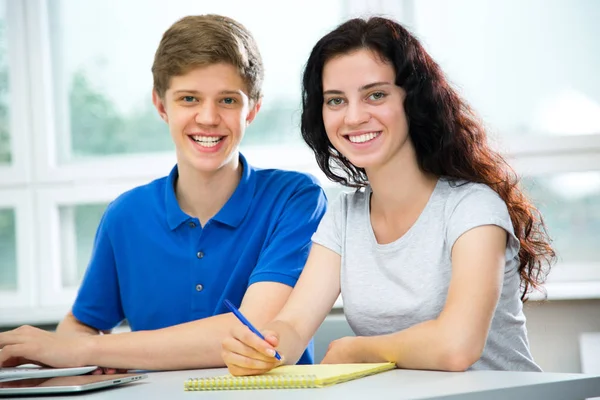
(554, 328)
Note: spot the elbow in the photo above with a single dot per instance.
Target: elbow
(459, 359)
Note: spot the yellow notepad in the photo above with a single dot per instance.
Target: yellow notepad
(290, 377)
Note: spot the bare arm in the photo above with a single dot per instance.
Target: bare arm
(454, 340)
(310, 302)
(308, 305)
(71, 325)
(194, 344)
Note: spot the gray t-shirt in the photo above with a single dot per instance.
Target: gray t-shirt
(391, 287)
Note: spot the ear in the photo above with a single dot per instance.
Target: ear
(160, 106)
(253, 111)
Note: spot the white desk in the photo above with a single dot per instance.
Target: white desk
(396, 384)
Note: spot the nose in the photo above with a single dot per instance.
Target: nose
(208, 114)
(356, 114)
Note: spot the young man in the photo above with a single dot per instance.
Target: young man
(168, 253)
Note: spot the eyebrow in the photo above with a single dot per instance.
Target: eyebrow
(236, 92)
(360, 89)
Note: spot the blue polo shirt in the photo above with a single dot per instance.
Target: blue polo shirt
(155, 266)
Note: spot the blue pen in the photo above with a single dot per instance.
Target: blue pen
(244, 321)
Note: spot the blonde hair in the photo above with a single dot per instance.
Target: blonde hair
(202, 40)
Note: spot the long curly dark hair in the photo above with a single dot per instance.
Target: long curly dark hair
(448, 138)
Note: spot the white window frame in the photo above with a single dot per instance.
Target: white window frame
(18, 172)
(542, 156)
(48, 201)
(25, 228)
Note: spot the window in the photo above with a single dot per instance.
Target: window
(5, 153)
(101, 61)
(77, 127)
(529, 70)
(78, 226)
(8, 249)
(80, 99)
(101, 95)
(570, 204)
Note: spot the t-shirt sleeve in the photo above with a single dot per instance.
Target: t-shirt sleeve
(478, 207)
(283, 258)
(330, 231)
(98, 301)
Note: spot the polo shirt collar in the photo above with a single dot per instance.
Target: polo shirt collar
(175, 215)
(236, 208)
(232, 213)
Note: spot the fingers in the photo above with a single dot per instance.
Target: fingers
(241, 365)
(250, 340)
(22, 334)
(234, 346)
(245, 353)
(327, 360)
(329, 357)
(14, 361)
(14, 355)
(272, 338)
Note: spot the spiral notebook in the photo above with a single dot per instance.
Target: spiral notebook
(290, 377)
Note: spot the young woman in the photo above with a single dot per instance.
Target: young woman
(438, 248)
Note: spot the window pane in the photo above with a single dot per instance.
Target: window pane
(102, 57)
(78, 226)
(570, 205)
(8, 249)
(5, 156)
(527, 67)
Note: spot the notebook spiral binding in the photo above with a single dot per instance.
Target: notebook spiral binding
(251, 382)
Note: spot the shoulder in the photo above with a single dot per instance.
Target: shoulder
(291, 194)
(136, 201)
(350, 201)
(473, 204)
(282, 178)
(474, 196)
(275, 186)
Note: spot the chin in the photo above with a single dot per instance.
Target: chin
(207, 165)
(364, 162)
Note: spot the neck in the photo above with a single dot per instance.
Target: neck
(400, 185)
(203, 194)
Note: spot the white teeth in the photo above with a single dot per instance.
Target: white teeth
(365, 137)
(207, 141)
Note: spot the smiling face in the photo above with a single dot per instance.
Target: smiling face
(207, 110)
(363, 109)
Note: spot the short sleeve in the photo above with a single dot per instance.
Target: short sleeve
(479, 206)
(98, 302)
(283, 259)
(330, 231)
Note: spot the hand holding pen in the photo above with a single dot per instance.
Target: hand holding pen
(247, 351)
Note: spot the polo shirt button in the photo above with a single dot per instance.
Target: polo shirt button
(200, 254)
(192, 224)
(199, 288)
